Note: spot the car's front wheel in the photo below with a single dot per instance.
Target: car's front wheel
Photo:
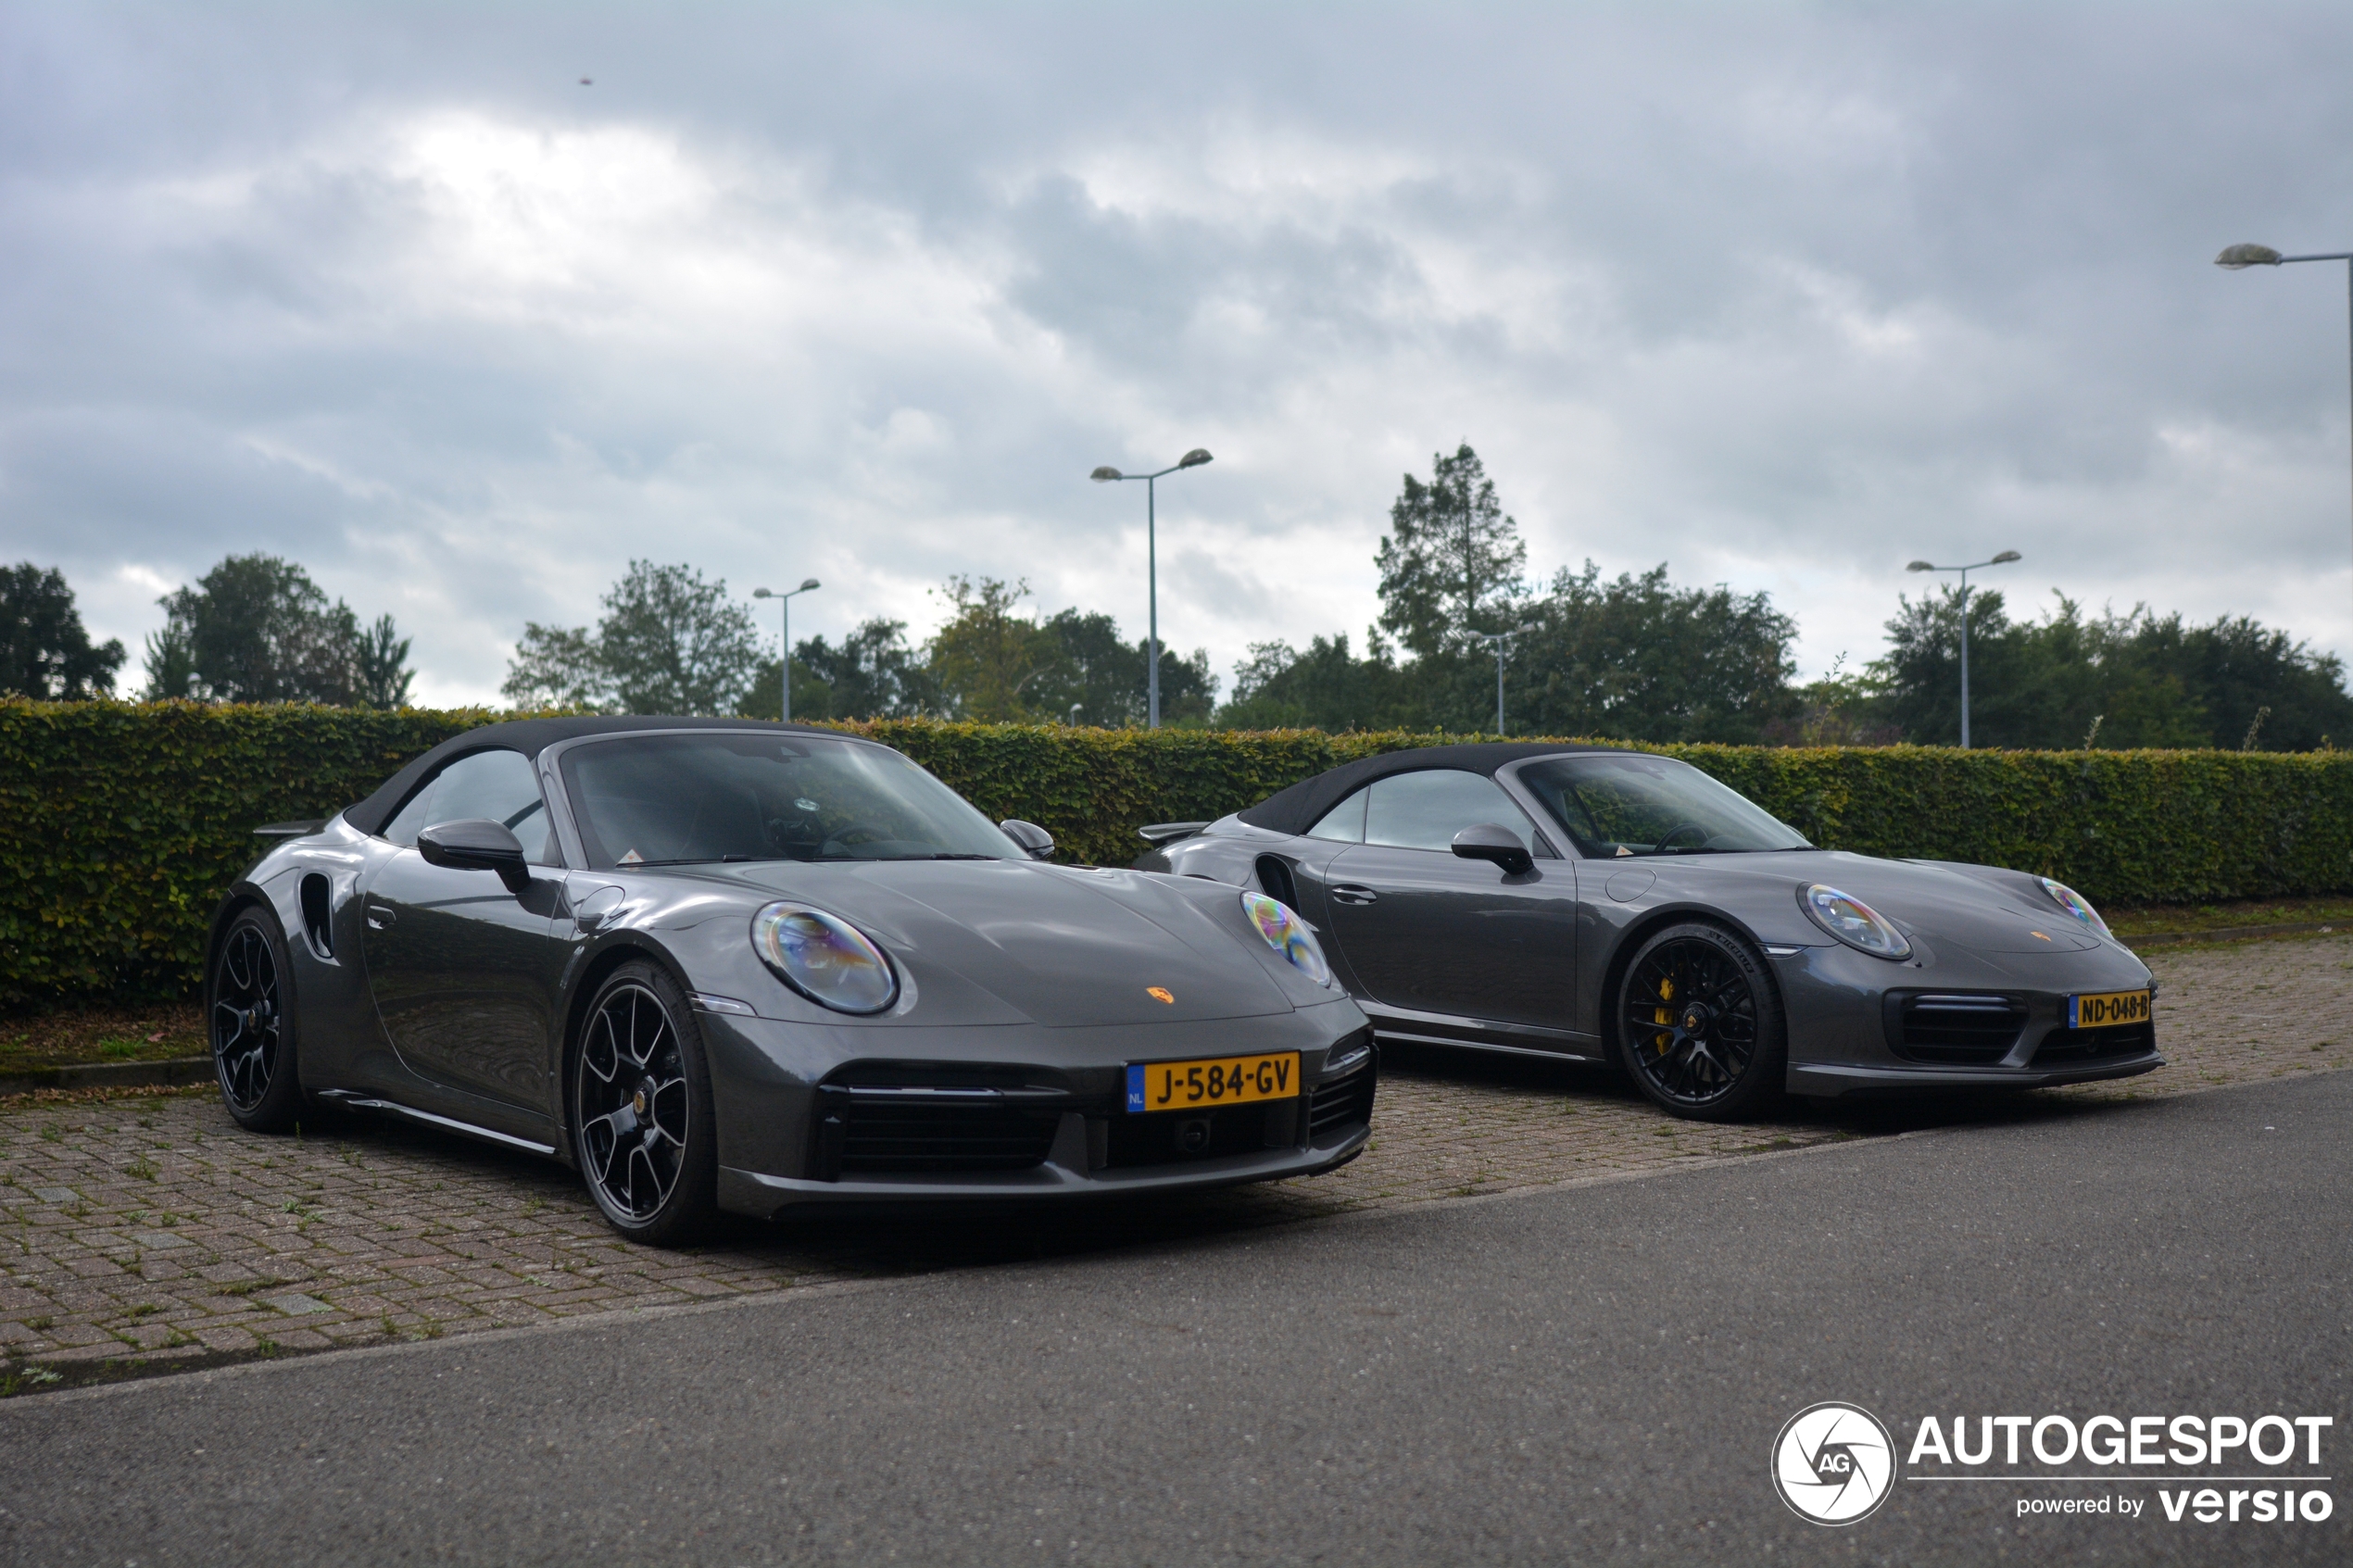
(642, 1127)
(1699, 1027)
(251, 1025)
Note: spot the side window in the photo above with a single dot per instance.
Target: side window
(501, 785)
(1426, 811)
(1345, 821)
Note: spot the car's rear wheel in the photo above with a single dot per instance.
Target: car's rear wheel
(1700, 1027)
(250, 1025)
(641, 1122)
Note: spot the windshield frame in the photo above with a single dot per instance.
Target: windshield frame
(1543, 812)
(556, 785)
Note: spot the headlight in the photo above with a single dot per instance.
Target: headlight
(2075, 904)
(824, 957)
(1855, 923)
(1289, 935)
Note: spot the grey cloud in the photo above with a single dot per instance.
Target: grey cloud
(1782, 296)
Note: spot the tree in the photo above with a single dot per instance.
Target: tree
(670, 641)
(1452, 562)
(2149, 680)
(256, 629)
(987, 659)
(557, 667)
(1639, 659)
(1325, 688)
(44, 652)
(870, 673)
(382, 666)
(1103, 678)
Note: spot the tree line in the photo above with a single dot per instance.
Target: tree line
(254, 629)
(1636, 657)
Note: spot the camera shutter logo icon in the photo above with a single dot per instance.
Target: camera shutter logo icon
(1833, 1464)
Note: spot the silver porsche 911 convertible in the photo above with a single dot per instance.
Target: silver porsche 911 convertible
(727, 965)
(1614, 906)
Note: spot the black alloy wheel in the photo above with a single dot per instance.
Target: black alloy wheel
(252, 1032)
(641, 1110)
(1700, 1024)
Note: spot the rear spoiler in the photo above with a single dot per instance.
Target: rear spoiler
(1159, 834)
(289, 830)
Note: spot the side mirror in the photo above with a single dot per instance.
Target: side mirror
(476, 843)
(1492, 841)
(1035, 840)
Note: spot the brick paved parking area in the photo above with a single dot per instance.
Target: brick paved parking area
(143, 1234)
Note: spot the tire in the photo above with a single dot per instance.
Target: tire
(251, 1026)
(1699, 1025)
(641, 1122)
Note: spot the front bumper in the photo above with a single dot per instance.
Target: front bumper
(1846, 1015)
(811, 1118)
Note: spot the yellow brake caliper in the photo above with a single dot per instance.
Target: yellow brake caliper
(1663, 1015)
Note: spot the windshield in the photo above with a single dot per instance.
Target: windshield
(667, 800)
(1627, 805)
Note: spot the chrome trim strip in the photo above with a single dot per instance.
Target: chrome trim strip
(447, 1123)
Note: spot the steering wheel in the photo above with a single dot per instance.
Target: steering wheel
(1665, 838)
(837, 839)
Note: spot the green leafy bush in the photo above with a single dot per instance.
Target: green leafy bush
(122, 824)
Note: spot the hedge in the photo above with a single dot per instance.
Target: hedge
(121, 823)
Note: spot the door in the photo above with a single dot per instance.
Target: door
(462, 971)
(1426, 931)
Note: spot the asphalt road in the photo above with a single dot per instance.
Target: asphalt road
(1595, 1374)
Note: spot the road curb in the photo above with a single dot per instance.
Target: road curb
(110, 1075)
(2230, 933)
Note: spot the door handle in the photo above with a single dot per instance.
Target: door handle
(381, 917)
(1353, 892)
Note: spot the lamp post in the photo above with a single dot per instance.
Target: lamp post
(1499, 639)
(784, 600)
(2237, 258)
(2003, 559)
(1106, 475)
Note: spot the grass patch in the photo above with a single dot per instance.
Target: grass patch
(2183, 920)
(77, 1037)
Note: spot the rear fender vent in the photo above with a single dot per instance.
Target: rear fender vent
(318, 914)
(1274, 876)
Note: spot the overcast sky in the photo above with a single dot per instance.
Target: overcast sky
(1784, 296)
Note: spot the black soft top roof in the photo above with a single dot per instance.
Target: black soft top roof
(1300, 806)
(530, 736)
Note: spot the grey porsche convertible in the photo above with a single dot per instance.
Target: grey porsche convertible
(728, 965)
(1614, 906)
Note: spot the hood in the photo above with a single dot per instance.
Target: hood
(1972, 908)
(1056, 945)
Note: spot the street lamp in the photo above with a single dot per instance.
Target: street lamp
(2237, 258)
(1106, 475)
(784, 706)
(1499, 639)
(2003, 559)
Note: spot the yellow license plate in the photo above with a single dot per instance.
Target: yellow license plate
(1197, 1085)
(2107, 1009)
